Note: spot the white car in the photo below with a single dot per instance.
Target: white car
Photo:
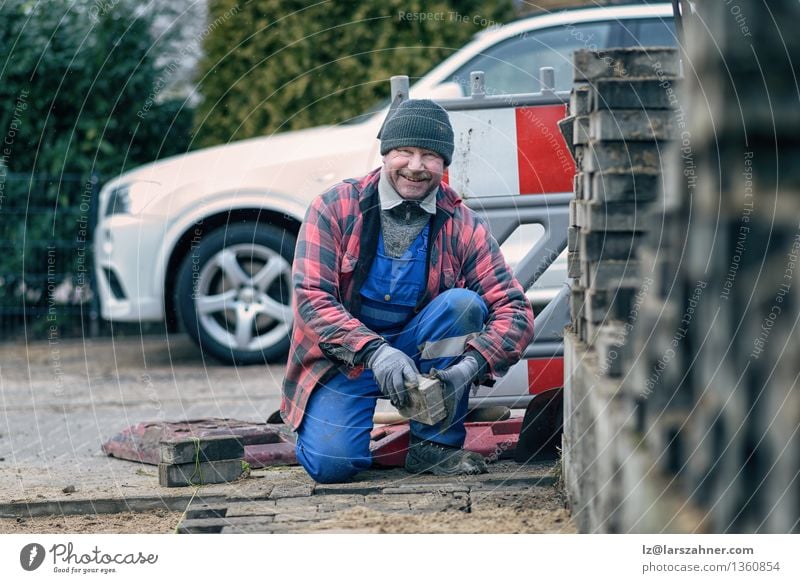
(206, 239)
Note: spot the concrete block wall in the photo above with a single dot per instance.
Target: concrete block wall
(621, 117)
(720, 365)
(682, 404)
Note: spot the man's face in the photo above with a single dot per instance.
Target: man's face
(414, 172)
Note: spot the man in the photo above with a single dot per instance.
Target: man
(394, 276)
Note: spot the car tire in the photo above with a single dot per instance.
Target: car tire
(233, 293)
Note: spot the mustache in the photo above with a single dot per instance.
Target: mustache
(418, 175)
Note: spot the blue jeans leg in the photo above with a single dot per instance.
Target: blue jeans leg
(333, 439)
(434, 339)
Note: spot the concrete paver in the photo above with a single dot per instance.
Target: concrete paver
(57, 409)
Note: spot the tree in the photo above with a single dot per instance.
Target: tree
(87, 71)
(276, 65)
(79, 95)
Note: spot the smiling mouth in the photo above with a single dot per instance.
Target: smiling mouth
(420, 179)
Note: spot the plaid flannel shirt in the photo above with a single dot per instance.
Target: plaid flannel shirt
(335, 249)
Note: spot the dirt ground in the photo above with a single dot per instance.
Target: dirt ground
(155, 522)
(535, 512)
(61, 401)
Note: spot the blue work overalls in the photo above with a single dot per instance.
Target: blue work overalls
(334, 437)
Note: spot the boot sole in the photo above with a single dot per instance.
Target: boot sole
(438, 471)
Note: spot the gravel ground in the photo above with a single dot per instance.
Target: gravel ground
(61, 400)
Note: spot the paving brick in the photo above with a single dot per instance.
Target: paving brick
(255, 487)
(298, 515)
(336, 502)
(580, 100)
(578, 182)
(602, 245)
(612, 355)
(212, 448)
(206, 511)
(215, 472)
(755, 179)
(296, 502)
(581, 130)
(572, 239)
(758, 44)
(576, 302)
(718, 116)
(622, 186)
(291, 491)
(216, 525)
(626, 63)
(636, 157)
(253, 528)
(603, 305)
(643, 93)
(263, 508)
(610, 274)
(351, 488)
(631, 125)
(613, 216)
(581, 329)
(426, 404)
(396, 503)
(573, 264)
(434, 488)
(579, 154)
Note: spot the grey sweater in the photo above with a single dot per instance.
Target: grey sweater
(401, 220)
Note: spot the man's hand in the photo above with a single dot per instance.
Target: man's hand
(394, 372)
(457, 379)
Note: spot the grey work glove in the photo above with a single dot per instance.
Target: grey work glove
(457, 380)
(394, 372)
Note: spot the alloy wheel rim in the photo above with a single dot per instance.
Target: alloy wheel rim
(242, 297)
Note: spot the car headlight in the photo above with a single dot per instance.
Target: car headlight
(131, 197)
(119, 201)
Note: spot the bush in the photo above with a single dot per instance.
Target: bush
(276, 65)
(76, 84)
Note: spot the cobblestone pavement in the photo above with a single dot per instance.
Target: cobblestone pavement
(510, 498)
(60, 401)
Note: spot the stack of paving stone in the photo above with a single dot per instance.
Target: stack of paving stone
(621, 118)
(718, 342)
(200, 461)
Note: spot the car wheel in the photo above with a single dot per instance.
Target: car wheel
(233, 293)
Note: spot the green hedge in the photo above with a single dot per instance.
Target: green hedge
(276, 65)
(75, 80)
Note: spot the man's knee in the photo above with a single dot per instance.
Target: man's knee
(331, 465)
(330, 471)
(463, 308)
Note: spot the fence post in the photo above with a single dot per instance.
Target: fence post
(94, 304)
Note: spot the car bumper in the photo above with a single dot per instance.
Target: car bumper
(126, 252)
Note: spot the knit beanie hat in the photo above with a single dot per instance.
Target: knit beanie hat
(419, 123)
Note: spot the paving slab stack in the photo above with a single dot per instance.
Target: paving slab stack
(718, 336)
(200, 461)
(621, 123)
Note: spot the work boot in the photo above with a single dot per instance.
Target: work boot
(442, 460)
